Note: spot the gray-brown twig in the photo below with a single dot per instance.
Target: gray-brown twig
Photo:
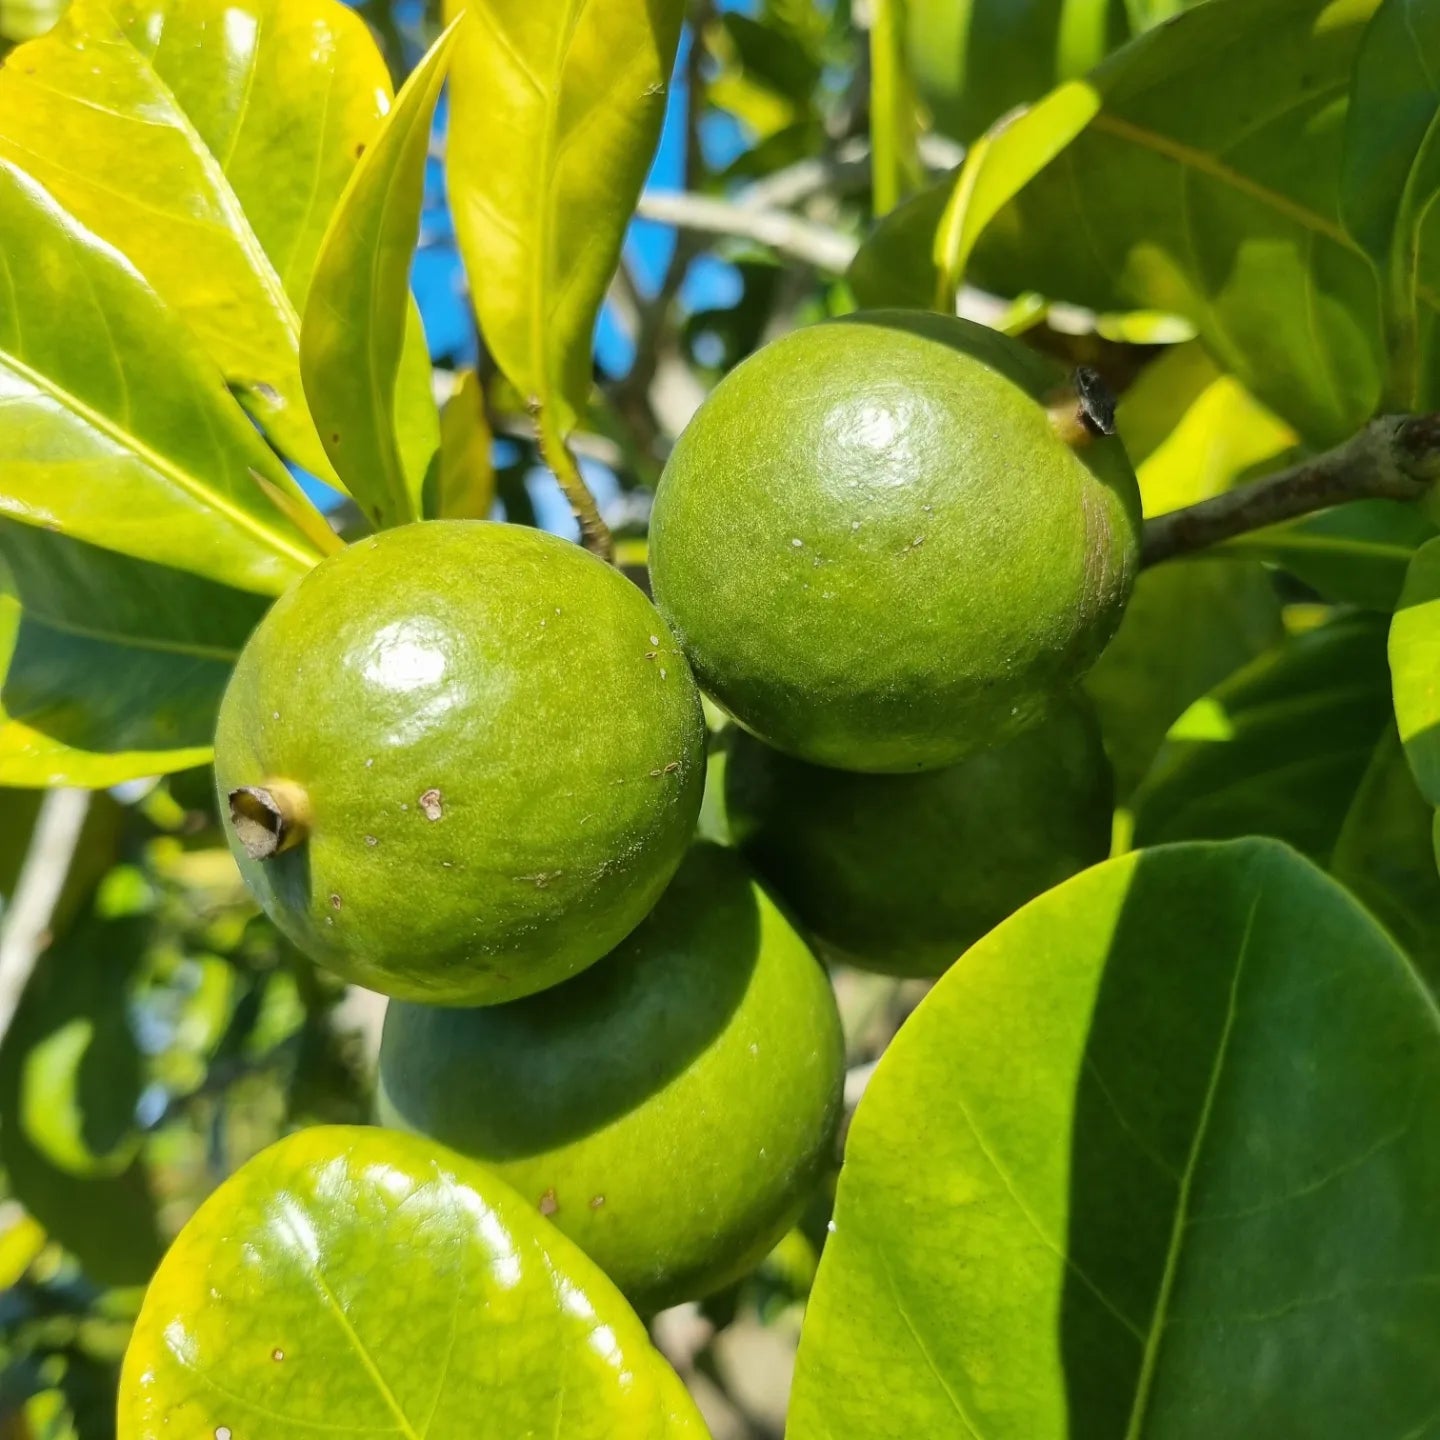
(1396, 457)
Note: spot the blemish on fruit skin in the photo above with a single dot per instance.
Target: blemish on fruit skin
(662, 674)
(222, 1432)
(797, 543)
(277, 1354)
(596, 1201)
(274, 714)
(548, 1203)
(334, 902)
(372, 841)
(369, 763)
(654, 639)
(432, 805)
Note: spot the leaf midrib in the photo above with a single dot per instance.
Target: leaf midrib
(1150, 1359)
(157, 462)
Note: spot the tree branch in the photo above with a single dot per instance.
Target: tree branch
(788, 234)
(1396, 457)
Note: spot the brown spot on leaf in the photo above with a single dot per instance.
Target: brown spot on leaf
(431, 804)
(548, 1203)
(359, 149)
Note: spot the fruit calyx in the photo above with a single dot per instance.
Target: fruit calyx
(270, 818)
(1084, 410)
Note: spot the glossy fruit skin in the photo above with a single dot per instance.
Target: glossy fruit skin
(670, 1109)
(903, 873)
(877, 550)
(503, 751)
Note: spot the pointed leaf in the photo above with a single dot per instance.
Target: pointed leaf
(555, 110)
(118, 430)
(208, 141)
(1209, 186)
(466, 482)
(1149, 1161)
(352, 344)
(894, 114)
(359, 1280)
(110, 668)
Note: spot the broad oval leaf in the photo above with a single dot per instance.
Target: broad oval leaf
(555, 108)
(118, 429)
(1415, 668)
(464, 486)
(110, 668)
(353, 339)
(1148, 1161)
(1209, 186)
(361, 1280)
(209, 141)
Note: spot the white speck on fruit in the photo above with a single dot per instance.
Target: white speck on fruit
(369, 763)
(372, 840)
(662, 674)
(830, 1226)
(548, 1203)
(754, 1048)
(797, 542)
(274, 714)
(432, 805)
(854, 524)
(277, 1354)
(654, 639)
(222, 1432)
(596, 1201)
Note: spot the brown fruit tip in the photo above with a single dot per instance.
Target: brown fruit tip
(269, 818)
(1084, 410)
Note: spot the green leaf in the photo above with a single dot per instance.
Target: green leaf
(895, 264)
(353, 337)
(117, 428)
(110, 668)
(1356, 554)
(359, 1280)
(1209, 186)
(1302, 745)
(894, 118)
(974, 62)
(1147, 1162)
(70, 1077)
(555, 108)
(465, 488)
(18, 809)
(997, 166)
(1415, 668)
(1390, 180)
(208, 141)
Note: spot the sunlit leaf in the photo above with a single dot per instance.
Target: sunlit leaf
(360, 1280)
(209, 141)
(465, 488)
(1148, 1161)
(352, 342)
(1415, 668)
(110, 668)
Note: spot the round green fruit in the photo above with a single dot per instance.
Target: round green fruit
(462, 760)
(903, 873)
(670, 1109)
(887, 541)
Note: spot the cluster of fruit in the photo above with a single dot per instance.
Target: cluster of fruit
(464, 763)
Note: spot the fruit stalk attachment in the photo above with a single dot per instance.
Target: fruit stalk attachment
(1083, 411)
(1396, 457)
(270, 818)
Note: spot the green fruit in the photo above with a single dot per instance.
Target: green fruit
(463, 759)
(669, 1109)
(888, 541)
(903, 873)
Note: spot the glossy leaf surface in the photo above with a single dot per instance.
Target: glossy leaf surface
(1301, 745)
(110, 668)
(464, 488)
(360, 1280)
(209, 141)
(352, 344)
(555, 110)
(1147, 1162)
(1208, 186)
(118, 429)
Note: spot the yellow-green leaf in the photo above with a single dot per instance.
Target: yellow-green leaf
(110, 668)
(209, 141)
(997, 167)
(894, 114)
(555, 109)
(354, 1280)
(352, 342)
(466, 484)
(118, 428)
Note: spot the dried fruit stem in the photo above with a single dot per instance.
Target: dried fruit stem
(1396, 457)
(270, 818)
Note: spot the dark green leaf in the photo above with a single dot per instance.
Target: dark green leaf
(359, 1280)
(110, 668)
(1150, 1161)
